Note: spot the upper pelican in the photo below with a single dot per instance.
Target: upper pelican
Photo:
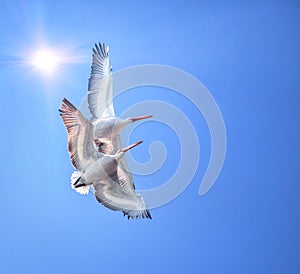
(100, 102)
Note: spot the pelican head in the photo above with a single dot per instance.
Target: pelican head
(114, 125)
(121, 123)
(120, 153)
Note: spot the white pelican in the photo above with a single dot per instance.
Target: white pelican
(100, 102)
(98, 169)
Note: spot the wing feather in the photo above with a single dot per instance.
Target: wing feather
(80, 136)
(100, 87)
(109, 193)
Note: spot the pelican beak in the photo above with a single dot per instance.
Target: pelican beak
(134, 119)
(131, 146)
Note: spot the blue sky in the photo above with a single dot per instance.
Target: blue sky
(245, 53)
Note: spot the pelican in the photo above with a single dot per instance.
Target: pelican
(100, 102)
(97, 169)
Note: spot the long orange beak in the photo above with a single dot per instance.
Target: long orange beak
(131, 146)
(134, 119)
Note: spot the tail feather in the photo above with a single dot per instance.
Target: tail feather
(75, 178)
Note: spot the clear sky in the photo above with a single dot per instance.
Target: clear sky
(245, 52)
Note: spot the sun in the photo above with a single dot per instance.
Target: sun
(45, 60)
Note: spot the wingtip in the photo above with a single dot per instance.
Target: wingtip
(148, 215)
(100, 49)
(67, 104)
(144, 214)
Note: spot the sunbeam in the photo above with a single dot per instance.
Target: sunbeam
(46, 61)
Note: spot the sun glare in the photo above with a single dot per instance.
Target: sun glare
(45, 60)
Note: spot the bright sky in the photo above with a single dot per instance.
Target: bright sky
(45, 60)
(246, 54)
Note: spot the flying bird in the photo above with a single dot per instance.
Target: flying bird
(98, 169)
(104, 130)
(100, 102)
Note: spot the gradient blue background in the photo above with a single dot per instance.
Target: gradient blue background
(246, 53)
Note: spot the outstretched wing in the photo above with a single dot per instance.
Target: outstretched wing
(100, 89)
(110, 193)
(80, 136)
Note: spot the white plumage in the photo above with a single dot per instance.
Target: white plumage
(95, 147)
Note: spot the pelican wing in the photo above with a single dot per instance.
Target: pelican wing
(110, 145)
(80, 136)
(112, 195)
(100, 89)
